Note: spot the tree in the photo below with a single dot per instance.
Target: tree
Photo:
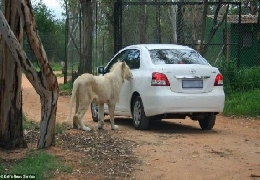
(172, 13)
(51, 31)
(203, 27)
(85, 64)
(158, 23)
(105, 29)
(250, 6)
(215, 26)
(11, 131)
(44, 81)
(143, 23)
(86, 31)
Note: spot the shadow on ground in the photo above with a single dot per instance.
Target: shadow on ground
(165, 126)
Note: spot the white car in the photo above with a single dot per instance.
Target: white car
(169, 81)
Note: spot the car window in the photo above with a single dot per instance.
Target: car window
(176, 56)
(133, 59)
(120, 57)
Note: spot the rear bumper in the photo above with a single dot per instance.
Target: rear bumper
(170, 102)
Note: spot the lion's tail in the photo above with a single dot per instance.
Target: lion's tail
(73, 95)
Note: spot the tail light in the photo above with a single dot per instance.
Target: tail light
(218, 80)
(159, 79)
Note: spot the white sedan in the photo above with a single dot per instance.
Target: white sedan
(169, 81)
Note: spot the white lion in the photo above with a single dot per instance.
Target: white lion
(99, 90)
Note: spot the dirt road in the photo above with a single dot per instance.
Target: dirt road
(176, 149)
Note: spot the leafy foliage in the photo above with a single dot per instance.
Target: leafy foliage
(51, 32)
(65, 88)
(242, 88)
(239, 79)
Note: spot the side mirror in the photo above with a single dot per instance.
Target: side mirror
(101, 70)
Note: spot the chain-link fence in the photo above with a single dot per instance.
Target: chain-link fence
(230, 32)
(53, 46)
(226, 33)
(73, 47)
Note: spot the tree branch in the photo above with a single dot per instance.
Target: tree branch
(18, 53)
(215, 27)
(49, 80)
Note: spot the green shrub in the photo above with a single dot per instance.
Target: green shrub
(242, 89)
(60, 128)
(243, 104)
(67, 88)
(56, 66)
(240, 79)
(27, 124)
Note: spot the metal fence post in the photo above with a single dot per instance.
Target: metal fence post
(118, 25)
(239, 38)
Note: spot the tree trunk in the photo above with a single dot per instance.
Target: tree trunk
(195, 11)
(85, 65)
(215, 25)
(158, 23)
(203, 26)
(172, 12)
(258, 32)
(143, 23)
(11, 130)
(45, 81)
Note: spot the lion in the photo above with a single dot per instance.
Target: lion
(88, 89)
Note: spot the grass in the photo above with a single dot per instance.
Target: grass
(27, 124)
(56, 66)
(37, 162)
(65, 87)
(40, 163)
(243, 104)
(59, 74)
(59, 128)
(1, 167)
(242, 89)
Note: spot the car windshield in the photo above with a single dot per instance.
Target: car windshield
(176, 56)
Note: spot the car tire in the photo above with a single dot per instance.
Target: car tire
(208, 122)
(140, 121)
(94, 112)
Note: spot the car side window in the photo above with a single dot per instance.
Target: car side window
(133, 59)
(120, 57)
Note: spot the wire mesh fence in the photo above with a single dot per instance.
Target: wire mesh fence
(53, 46)
(226, 34)
(229, 35)
(73, 47)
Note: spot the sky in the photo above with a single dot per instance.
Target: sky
(55, 7)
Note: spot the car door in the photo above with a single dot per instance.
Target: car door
(132, 59)
(118, 57)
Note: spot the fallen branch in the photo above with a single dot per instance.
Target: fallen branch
(255, 175)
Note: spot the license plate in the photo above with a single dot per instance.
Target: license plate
(192, 83)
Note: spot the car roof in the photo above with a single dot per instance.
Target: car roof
(159, 46)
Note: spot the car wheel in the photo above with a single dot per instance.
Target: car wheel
(94, 112)
(140, 121)
(207, 122)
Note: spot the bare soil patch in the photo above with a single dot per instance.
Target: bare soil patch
(170, 149)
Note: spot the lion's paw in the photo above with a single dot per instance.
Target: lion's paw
(85, 128)
(100, 124)
(115, 127)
